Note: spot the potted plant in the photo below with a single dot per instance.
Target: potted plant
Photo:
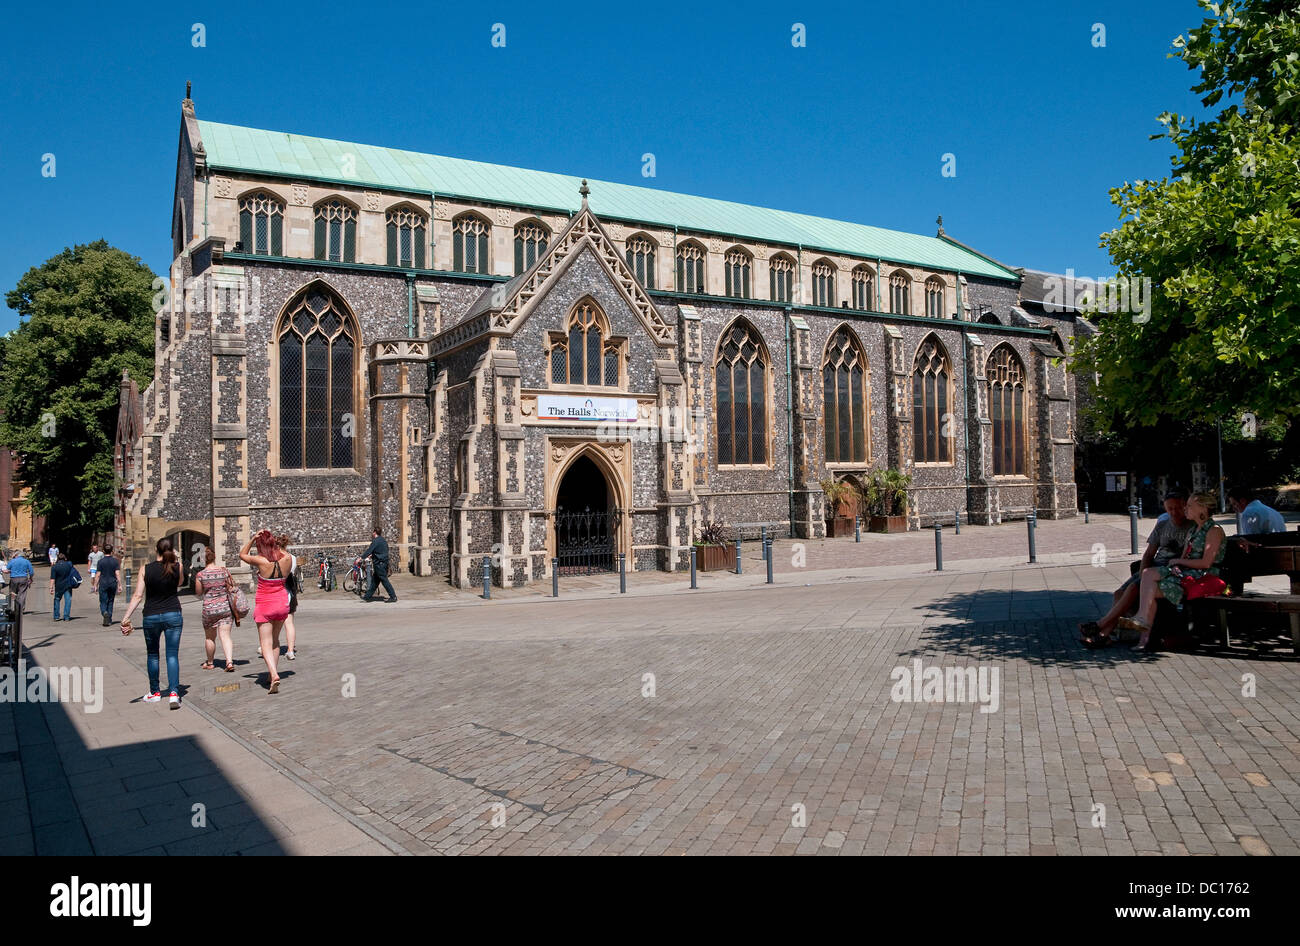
(886, 495)
(711, 550)
(841, 507)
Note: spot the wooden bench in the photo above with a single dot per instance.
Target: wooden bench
(1274, 553)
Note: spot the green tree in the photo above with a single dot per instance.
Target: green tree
(1219, 240)
(87, 314)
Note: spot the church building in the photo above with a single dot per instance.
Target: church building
(487, 361)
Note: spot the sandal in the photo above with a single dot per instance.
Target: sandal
(207, 665)
(1134, 624)
(230, 666)
(275, 686)
(1090, 634)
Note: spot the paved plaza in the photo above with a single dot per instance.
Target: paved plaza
(740, 718)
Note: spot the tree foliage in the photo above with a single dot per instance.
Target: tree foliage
(87, 315)
(1219, 240)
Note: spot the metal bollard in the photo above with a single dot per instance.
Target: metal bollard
(1133, 529)
(1033, 549)
(1085, 514)
(693, 583)
(764, 540)
(857, 528)
(487, 577)
(738, 565)
(126, 576)
(938, 547)
(622, 573)
(1139, 507)
(555, 578)
(956, 522)
(769, 561)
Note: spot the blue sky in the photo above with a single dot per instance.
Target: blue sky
(853, 125)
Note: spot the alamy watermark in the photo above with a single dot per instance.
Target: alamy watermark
(1130, 294)
(921, 684)
(37, 684)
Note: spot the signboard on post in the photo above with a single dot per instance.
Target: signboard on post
(567, 409)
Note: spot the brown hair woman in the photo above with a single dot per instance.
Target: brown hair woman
(162, 618)
(271, 606)
(215, 584)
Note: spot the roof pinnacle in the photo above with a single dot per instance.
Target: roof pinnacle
(584, 190)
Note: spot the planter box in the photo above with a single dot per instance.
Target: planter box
(715, 558)
(887, 524)
(839, 527)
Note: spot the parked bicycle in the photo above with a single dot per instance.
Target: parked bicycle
(324, 572)
(358, 577)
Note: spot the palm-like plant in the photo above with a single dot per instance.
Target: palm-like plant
(886, 492)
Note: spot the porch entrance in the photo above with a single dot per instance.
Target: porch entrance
(586, 520)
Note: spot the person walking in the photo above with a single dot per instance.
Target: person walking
(21, 574)
(291, 585)
(109, 566)
(377, 550)
(54, 554)
(162, 618)
(92, 565)
(271, 604)
(61, 584)
(215, 584)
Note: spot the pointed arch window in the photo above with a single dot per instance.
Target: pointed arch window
(406, 228)
(864, 289)
(261, 224)
(737, 268)
(844, 394)
(1006, 374)
(934, 297)
(641, 260)
(741, 376)
(823, 279)
(317, 343)
(336, 231)
(932, 417)
(690, 267)
(781, 278)
(530, 244)
(900, 293)
(469, 244)
(586, 354)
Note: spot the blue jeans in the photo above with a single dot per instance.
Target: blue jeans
(106, 596)
(169, 624)
(66, 598)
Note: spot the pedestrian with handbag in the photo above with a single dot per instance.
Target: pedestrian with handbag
(216, 585)
(271, 604)
(292, 586)
(64, 577)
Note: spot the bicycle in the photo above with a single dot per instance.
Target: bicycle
(324, 572)
(358, 577)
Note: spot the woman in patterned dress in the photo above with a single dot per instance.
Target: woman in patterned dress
(216, 584)
(1203, 555)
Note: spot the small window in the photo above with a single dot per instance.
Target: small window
(261, 224)
(641, 260)
(864, 289)
(781, 276)
(900, 293)
(823, 278)
(336, 231)
(406, 237)
(585, 354)
(934, 297)
(690, 267)
(530, 244)
(737, 264)
(469, 244)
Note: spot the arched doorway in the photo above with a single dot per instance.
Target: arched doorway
(189, 546)
(586, 519)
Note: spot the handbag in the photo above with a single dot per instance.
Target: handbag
(238, 602)
(1207, 586)
(74, 580)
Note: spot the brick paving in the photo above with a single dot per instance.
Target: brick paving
(524, 725)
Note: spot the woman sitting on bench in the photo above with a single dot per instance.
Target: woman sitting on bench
(1203, 555)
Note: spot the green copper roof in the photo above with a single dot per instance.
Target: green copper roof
(301, 157)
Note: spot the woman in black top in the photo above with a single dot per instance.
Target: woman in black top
(162, 617)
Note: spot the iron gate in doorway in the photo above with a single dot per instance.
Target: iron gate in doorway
(584, 540)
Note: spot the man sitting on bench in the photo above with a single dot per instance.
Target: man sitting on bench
(1167, 541)
(1256, 518)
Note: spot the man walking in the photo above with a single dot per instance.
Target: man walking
(21, 574)
(54, 554)
(92, 561)
(108, 569)
(61, 587)
(377, 551)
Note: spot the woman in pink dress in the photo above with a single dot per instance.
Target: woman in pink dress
(271, 606)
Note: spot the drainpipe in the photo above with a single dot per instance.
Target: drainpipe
(676, 288)
(410, 305)
(789, 417)
(965, 380)
(207, 176)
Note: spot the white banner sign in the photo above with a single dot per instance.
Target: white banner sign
(558, 408)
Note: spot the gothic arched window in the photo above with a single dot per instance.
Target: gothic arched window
(741, 375)
(900, 293)
(641, 259)
(261, 224)
(737, 266)
(317, 342)
(864, 289)
(530, 243)
(781, 278)
(406, 228)
(844, 393)
(336, 231)
(690, 267)
(586, 354)
(932, 418)
(1006, 374)
(934, 297)
(469, 244)
(823, 280)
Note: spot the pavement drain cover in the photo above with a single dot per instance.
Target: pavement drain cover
(545, 778)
